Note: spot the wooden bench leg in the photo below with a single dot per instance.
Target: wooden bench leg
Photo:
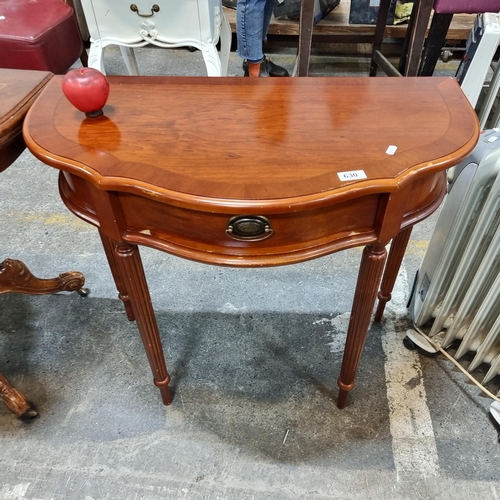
(378, 37)
(305, 36)
(435, 42)
(410, 59)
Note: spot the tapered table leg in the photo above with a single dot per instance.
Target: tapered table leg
(370, 272)
(130, 268)
(396, 254)
(109, 249)
(15, 400)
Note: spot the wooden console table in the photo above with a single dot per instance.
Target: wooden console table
(18, 90)
(255, 172)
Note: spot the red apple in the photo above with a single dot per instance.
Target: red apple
(87, 89)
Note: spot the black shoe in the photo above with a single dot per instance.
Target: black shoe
(267, 68)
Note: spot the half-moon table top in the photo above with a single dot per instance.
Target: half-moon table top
(242, 142)
(252, 172)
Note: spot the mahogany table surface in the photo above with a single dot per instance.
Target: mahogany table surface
(227, 146)
(309, 166)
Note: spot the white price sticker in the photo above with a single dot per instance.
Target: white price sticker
(353, 175)
(391, 150)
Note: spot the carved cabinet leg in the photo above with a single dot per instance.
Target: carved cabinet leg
(109, 249)
(96, 59)
(370, 272)
(129, 60)
(212, 60)
(16, 277)
(15, 400)
(396, 254)
(129, 263)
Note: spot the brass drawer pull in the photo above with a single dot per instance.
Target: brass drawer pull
(249, 228)
(154, 9)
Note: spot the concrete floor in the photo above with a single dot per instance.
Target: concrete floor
(253, 354)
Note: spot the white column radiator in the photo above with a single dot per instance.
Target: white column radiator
(456, 293)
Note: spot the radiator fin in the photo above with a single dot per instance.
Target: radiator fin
(457, 294)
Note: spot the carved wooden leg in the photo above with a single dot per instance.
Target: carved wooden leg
(16, 277)
(109, 249)
(130, 265)
(396, 254)
(15, 400)
(372, 265)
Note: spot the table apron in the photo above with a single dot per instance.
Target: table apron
(294, 236)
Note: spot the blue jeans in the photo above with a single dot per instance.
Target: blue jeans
(252, 21)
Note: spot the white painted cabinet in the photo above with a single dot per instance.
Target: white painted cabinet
(164, 23)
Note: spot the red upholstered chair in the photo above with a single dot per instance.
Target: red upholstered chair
(41, 35)
(441, 20)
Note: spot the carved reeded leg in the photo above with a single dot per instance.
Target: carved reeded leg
(372, 265)
(109, 249)
(396, 254)
(16, 277)
(130, 265)
(15, 400)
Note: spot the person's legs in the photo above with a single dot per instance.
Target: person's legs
(252, 22)
(268, 14)
(250, 29)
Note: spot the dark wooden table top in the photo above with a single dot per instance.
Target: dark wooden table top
(239, 143)
(18, 90)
